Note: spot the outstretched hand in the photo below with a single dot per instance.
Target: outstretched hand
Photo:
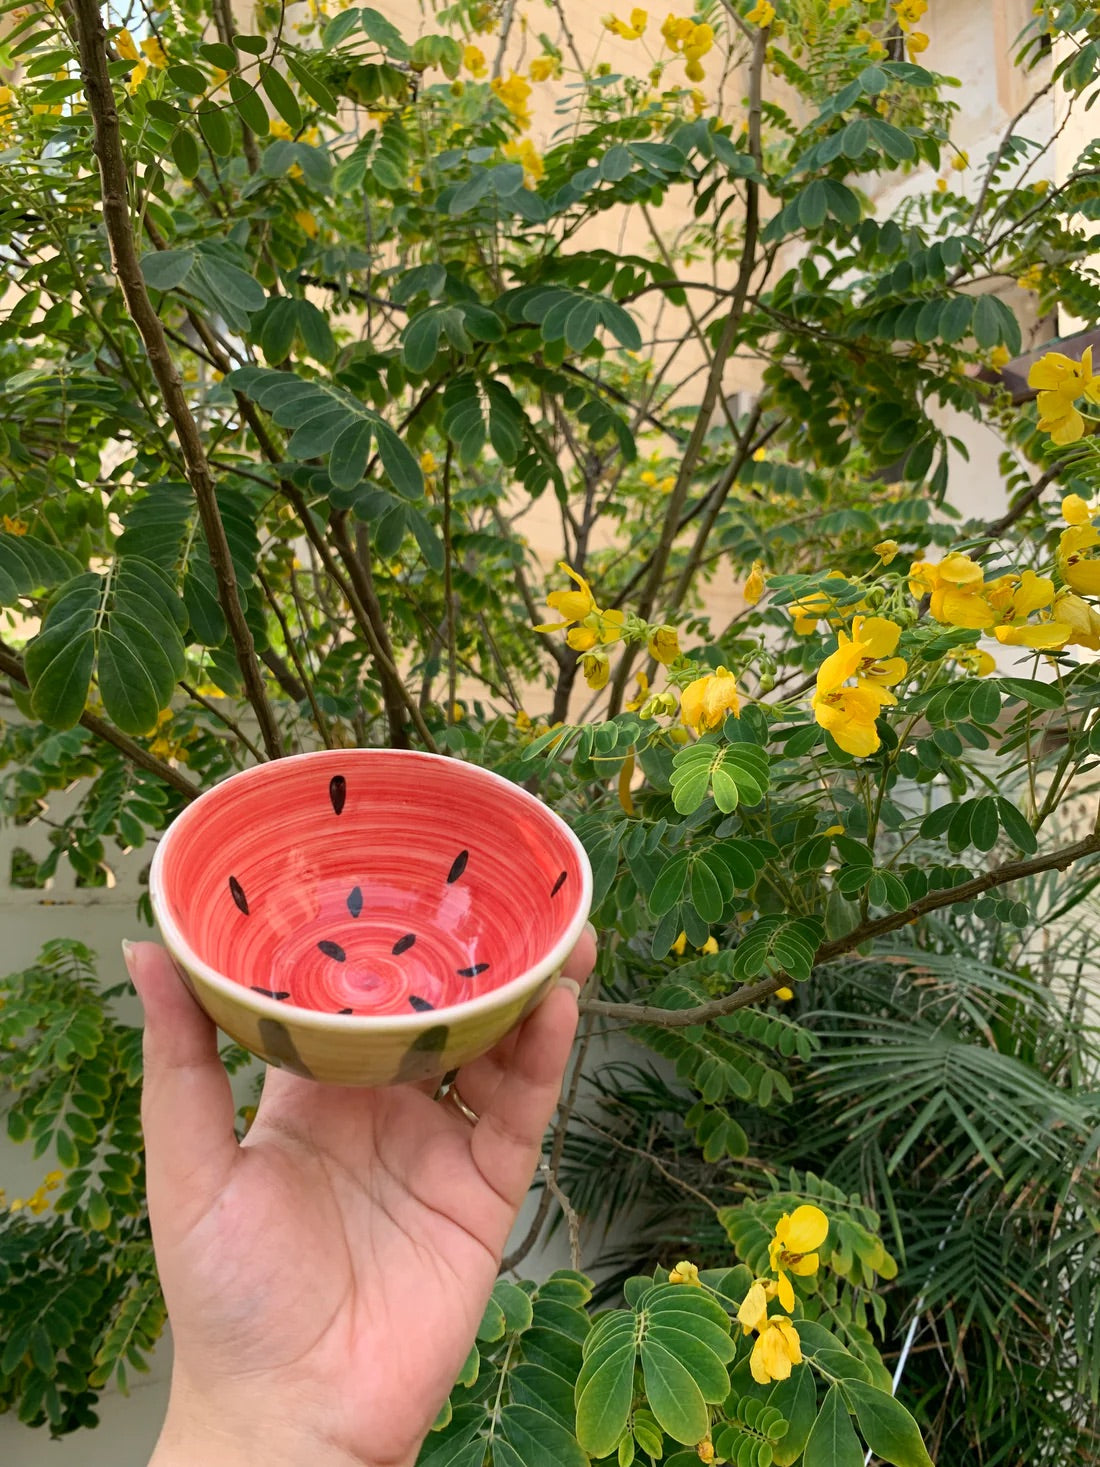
(326, 1276)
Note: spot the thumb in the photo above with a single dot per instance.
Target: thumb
(186, 1104)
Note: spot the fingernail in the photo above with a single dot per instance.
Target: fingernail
(573, 987)
(128, 956)
(593, 934)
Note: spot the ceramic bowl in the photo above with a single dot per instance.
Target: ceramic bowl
(369, 916)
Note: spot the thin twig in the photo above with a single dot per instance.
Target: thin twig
(223, 718)
(752, 993)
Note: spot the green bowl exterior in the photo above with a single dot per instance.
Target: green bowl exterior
(351, 1052)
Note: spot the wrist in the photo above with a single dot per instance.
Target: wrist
(200, 1433)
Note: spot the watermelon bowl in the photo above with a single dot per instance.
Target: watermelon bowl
(369, 916)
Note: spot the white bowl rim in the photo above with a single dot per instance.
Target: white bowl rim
(414, 1022)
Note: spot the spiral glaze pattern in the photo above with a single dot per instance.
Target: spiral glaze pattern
(369, 886)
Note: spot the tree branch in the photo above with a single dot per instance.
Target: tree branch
(92, 40)
(1059, 859)
(722, 351)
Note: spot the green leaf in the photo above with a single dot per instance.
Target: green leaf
(1016, 827)
(230, 283)
(833, 1441)
(538, 1440)
(887, 1427)
(28, 565)
(165, 269)
(282, 98)
(673, 1395)
(1039, 695)
(603, 1403)
(185, 152)
(796, 1400)
(377, 28)
(249, 105)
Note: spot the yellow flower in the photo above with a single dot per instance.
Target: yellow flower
(14, 527)
(1031, 278)
(1014, 598)
(685, 1273)
(709, 947)
(680, 945)
(473, 59)
(124, 45)
(753, 1312)
(798, 1236)
(640, 696)
(1040, 186)
(909, 12)
(876, 49)
(137, 76)
(961, 161)
(915, 43)
(676, 30)
(1075, 560)
(1060, 382)
(705, 702)
(704, 1450)
(155, 53)
(761, 14)
(596, 667)
(784, 993)
(941, 185)
(867, 654)
(1075, 511)
(777, 1348)
(999, 358)
(515, 94)
(1079, 616)
(428, 463)
(975, 660)
(664, 645)
(543, 68)
(573, 605)
(955, 586)
(849, 714)
(886, 550)
(631, 31)
(755, 586)
(307, 222)
(525, 152)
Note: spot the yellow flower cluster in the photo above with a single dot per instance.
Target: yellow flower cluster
(38, 1201)
(515, 93)
(631, 30)
(761, 14)
(960, 596)
(473, 59)
(909, 14)
(690, 39)
(793, 1250)
(847, 711)
(545, 68)
(525, 152)
(1060, 382)
(705, 702)
(588, 624)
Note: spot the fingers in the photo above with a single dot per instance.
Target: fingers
(580, 962)
(507, 1141)
(477, 1082)
(186, 1105)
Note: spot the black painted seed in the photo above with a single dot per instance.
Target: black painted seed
(403, 944)
(237, 892)
(472, 972)
(458, 866)
(355, 900)
(420, 1004)
(344, 1011)
(271, 992)
(337, 791)
(333, 950)
(557, 886)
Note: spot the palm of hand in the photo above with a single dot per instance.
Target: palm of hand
(325, 1278)
(365, 1242)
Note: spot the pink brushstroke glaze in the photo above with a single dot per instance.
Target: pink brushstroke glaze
(270, 865)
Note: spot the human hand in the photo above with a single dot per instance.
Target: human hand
(325, 1277)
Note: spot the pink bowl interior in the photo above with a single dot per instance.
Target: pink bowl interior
(368, 882)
